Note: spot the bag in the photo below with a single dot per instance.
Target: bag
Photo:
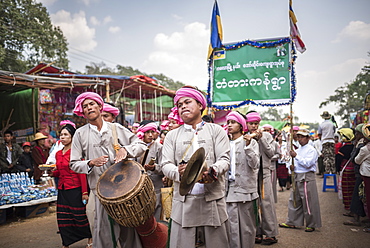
(340, 191)
(166, 199)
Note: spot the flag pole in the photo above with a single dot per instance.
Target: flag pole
(291, 148)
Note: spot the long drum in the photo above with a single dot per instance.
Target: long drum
(127, 193)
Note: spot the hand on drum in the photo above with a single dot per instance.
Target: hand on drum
(149, 167)
(121, 155)
(99, 161)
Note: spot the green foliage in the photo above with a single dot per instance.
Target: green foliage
(101, 68)
(27, 37)
(350, 97)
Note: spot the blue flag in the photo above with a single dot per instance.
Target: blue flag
(216, 30)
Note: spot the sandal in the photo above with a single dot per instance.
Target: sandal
(349, 214)
(309, 229)
(352, 223)
(269, 241)
(89, 245)
(366, 229)
(258, 239)
(284, 225)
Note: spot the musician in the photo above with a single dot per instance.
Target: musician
(146, 134)
(242, 191)
(110, 112)
(306, 205)
(92, 154)
(268, 223)
(200, 217)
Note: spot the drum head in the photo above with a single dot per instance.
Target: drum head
(119, 179)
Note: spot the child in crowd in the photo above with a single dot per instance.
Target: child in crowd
(25, 160)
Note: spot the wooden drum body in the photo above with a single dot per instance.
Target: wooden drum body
(127, 193)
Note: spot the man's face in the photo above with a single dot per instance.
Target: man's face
(189, 109)
(295, 134)
(91, 109)
(148, 136)
(108, 117)
(173, 125)
(303, 140)
(253, 126)
(8, 138)
(233, 127)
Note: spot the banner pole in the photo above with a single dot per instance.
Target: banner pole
(291, 148)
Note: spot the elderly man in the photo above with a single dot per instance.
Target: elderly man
(268, 223)
(92, 154)
(304, 200)
(199, 218)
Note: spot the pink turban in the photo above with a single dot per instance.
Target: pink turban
(269, 126)
(65, 122)
(164, 124)
(78, 110)
(142, 129)
(136, 124)
(190, 92)
(253, 117)
(238, 118)
(174, 115)
(110, 109)
(295, 128)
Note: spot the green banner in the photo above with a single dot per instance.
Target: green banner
(251, 73)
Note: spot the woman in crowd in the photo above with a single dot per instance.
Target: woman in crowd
(346, 166)
(72, 195)
(281, 169)
(363, 159)
(40, 154)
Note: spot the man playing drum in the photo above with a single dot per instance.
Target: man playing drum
(199, 219)
(92, 154)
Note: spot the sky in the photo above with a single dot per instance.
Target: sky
(172, 37)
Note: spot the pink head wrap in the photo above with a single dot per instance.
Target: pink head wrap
(269, 126)
(253, 117)
(78, 110)
(295, 128)
(174, 115)
(142, 129)
(164, 124)
(110, 109)
(190, 92)
(65, 122)
(238, 118)
(136, 124)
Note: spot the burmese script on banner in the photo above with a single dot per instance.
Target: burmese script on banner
(258, 74)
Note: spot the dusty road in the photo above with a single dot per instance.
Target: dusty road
(41, 231)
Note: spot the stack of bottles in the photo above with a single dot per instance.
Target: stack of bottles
(18, 187)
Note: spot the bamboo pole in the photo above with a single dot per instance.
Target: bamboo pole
(291, 148)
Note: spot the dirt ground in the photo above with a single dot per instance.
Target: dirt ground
(42, 231)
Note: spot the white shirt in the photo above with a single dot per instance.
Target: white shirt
(327, 131)
(232, 158)
(306, 158)
(198, 187)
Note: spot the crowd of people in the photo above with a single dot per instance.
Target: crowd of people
(232, 205)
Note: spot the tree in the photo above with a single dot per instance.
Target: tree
(350, 97)
(27, 37)
(101, 68)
